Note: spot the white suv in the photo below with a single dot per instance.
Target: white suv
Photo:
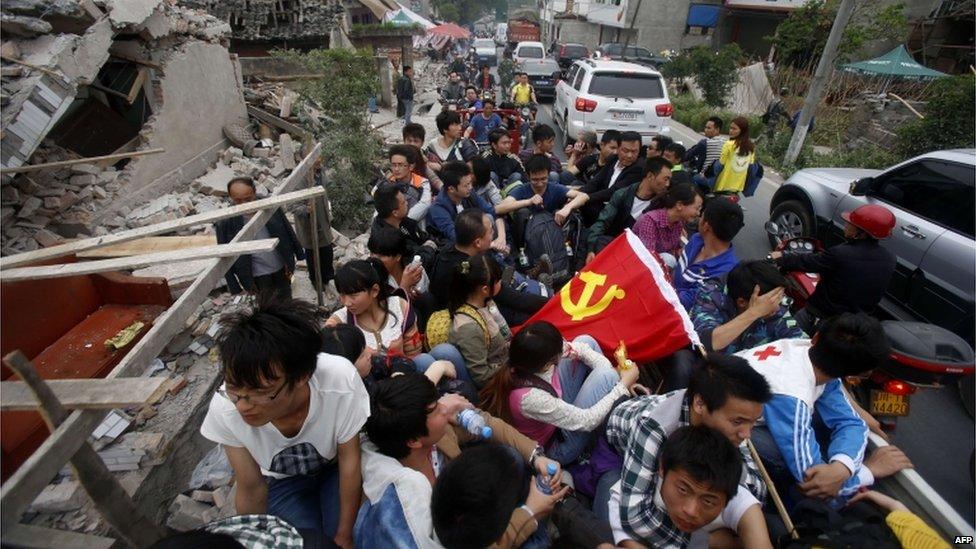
(603, 95)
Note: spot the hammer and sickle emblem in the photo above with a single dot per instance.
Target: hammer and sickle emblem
(582, 308)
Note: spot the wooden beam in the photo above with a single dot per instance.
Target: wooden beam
(276, 121)
(137, 85)
(91, 159)
(276, 200)
(173, 320)
(105, 491)
(150, 244)
(34, 474)
(34, 67)
(87, 394)
(23, 536)
(137, 261)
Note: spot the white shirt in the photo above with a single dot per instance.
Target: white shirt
(337, 411)
(638, 208)
(392, 331)
(617, 169)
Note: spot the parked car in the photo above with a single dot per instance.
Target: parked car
(604, 95)
(544, 74)
(528, 50)
(932, 197)
(632, 54)
(485, 52)
(565, 54)
(501, 34)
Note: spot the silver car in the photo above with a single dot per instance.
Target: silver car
(932, 197)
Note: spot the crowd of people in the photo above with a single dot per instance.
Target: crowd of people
(416, 416)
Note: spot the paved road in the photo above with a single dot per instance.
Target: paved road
(938, 435)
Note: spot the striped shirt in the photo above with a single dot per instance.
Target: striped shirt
(713, 148)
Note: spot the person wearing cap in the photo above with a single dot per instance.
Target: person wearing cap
(854, 275)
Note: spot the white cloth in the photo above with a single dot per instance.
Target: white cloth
(617, 170)
(392, 331)
(638, 208)
(786, 366)
(541, 406)
(337, 410)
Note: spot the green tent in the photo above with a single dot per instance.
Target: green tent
(897, 63)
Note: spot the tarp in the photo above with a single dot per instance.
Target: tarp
(703, 15)
(450, 29)
(405, 16)
(897, 63)
(751, 94)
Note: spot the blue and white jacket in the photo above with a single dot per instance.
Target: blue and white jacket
(789, 414)
(689, 276)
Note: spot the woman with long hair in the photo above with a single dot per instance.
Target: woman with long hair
(477, 329)
(483, 185)
(552, 385)
(738, 153)
(387, 321)
(660, 230)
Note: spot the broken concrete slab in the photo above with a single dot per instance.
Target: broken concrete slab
(287, 151)
(86, 168)
(59, 498)
(214, 183)
(130, 12)
(22, 25)
(186, 514)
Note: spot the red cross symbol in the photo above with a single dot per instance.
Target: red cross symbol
(767, 352)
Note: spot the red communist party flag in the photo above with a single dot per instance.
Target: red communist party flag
(622, 295)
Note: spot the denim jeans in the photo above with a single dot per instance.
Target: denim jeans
(444, 351)
(601, 498)
(407, 110)
(582, 387)
(310, 503)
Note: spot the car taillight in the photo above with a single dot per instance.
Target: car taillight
(664, 109)
(897, 387)
(585, 105)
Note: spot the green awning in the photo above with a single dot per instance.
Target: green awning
(897, 63)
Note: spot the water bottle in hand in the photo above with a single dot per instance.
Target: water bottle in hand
(472, 422)
(542, 481)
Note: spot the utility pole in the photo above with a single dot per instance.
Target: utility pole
(824, 68)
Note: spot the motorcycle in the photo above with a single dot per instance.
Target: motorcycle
(922, 355)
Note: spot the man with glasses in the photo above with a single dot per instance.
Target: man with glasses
(264, 271)
(288, 418)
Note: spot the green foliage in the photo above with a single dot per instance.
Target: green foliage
(801, 37)
(464, 11)
(714, 72)
(771, 153)
(349, 150)
(949, 118)
(449, 12)
(693, 113)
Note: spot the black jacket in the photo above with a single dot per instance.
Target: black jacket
(240, 277)
(404, 89)
(599, 190)
(854, 277)
(615, 217)
(415, 237)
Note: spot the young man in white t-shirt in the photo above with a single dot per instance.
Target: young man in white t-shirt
(286, 415)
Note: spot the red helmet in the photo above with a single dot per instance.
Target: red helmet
(873, 219)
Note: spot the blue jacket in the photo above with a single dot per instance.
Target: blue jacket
(689, 276)
(443, 212)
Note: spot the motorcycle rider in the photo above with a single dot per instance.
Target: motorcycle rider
(454, 90)
(523, 94)
(458, 65)
(471, 101)
(854, 275)
(485, 81)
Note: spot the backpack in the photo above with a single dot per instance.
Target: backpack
(439, 325)
(547, 238)
(575, 234)
(507, 189)
(856, 526)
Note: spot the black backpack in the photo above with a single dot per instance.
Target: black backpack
(854, 527)
(544, 236)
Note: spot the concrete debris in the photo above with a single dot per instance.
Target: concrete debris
(128, 12)
(270, 20)
(21, 25)
(114, 425)
(59, 498)
(186, 514)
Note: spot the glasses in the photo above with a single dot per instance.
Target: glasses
(398, 164)
(253, 399)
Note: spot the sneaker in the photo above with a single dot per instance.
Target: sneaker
(543, 266)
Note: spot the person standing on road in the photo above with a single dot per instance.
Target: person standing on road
(738, 153)
(405, 91)
(855, 274)
(506, 73)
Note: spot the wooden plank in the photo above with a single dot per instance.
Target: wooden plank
(34, 474)
(137, 85)
(150, 244)
(275, 200)
(87, 394)
(173, 320)
(23, 536)
(105, 491)
(276, 121)
(137, 261)
(91, 159)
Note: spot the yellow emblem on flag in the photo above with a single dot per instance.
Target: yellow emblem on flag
(582, 308)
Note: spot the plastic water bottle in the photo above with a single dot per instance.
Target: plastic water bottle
(473, 423)
(416, 260)
(523, 259)
(569, 249)
(500, 320)
(542, 481)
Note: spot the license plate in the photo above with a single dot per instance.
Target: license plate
(887, 404)
(624, 115)
(542, 82)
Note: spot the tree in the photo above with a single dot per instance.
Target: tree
(949, 118)
(714, 72)
(799, 40)
(349, 149)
